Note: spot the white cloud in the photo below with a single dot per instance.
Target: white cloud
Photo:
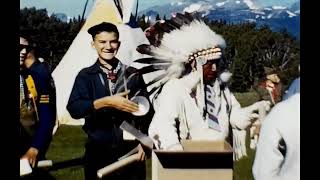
(238, 2)
(221, 3)
(192, 8)
(250, 4)
(178, 3)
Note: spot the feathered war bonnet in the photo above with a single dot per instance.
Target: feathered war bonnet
(183, 40)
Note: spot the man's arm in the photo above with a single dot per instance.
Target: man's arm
(268, 157)
(46, 114)
(80, 103)
(240, 117)
(116, 101)
(163, 125)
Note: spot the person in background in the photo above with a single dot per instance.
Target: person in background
(37, 105)
(270, 88)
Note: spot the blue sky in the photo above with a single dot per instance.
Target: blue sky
(276, 2)
(75, 7)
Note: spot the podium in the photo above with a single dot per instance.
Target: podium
(200, 160)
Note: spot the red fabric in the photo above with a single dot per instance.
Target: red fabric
(276, 91)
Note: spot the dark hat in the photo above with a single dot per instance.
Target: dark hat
(104, 26)
(27, 35)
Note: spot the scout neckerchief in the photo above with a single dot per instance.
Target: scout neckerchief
(111, 76)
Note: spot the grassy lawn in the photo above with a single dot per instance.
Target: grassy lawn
(68, 143)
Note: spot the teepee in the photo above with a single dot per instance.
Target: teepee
(81, 54)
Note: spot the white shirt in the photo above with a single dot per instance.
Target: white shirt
(175, 104)
(282, 122)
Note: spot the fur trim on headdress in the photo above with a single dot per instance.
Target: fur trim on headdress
(225, 76)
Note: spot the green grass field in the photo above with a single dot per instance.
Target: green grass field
(68, 143)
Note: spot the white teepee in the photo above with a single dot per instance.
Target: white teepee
(81, 54)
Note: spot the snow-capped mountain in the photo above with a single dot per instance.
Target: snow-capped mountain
(236, 11)
(61, 16)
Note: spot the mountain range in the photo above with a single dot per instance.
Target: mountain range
(235, 11)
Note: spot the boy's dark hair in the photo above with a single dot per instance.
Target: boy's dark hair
(104, 26)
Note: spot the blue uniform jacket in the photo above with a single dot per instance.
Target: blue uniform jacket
(46, 104)
(99, 124)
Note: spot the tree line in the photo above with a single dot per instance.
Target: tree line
(249, 48)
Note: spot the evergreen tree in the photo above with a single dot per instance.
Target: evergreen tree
(249, 48)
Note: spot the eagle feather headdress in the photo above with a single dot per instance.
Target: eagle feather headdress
(184, 39)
